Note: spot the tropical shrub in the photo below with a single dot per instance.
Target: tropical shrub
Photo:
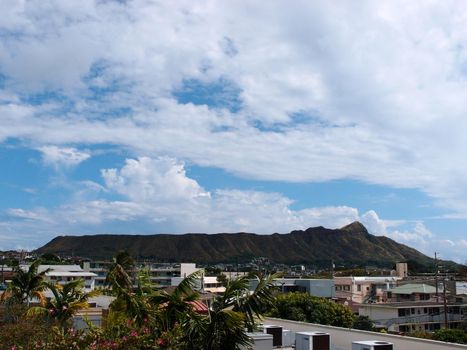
(451, 335)
(304, 307)
(364, 323)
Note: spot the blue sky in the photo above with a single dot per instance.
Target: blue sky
(147, 116)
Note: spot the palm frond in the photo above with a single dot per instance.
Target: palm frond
(37, 311)
(188, 283)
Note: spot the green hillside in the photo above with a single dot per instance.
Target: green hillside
(350, 245)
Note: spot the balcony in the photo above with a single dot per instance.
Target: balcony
(416, 319)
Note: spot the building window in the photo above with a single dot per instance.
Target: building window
(403, 312)
(359, 288)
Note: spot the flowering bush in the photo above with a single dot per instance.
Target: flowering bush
(125, 336)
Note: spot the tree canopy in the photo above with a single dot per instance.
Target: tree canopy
(304, 307)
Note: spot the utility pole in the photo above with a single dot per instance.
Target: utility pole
(436, 277)
(445, 303)
(3, 264)
(332, 278)
(202, 282)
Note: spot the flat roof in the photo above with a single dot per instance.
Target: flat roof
(412, 288)
(70, 274)
(413, 304)
(370, 278)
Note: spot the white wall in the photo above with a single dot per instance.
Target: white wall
(378, 314)
(187, 269)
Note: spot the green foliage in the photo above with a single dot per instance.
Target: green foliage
(51, 259)
(224, 329)
(141, 319)
(232, 312)
(364, 323)
(175, 307)
(351, 272)
(23, 333)
(34, 336)
(118, 276)
(26, 284)
(304, 307)
(221, 278)
(451, 335)
(447, 335)
(68, 300)
(421, 334)
(252, 305)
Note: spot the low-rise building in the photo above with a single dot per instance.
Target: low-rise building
(60, 274)
(412, 292)
(355, 290)
(415, 316)
(203, 283)
(317, 287)
(416, 307)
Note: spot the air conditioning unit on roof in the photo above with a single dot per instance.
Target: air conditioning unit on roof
(276, 332)
(261, 341)
(372, 345)
(288, 338)
(312, 341)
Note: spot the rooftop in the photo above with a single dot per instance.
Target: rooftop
(413, 288)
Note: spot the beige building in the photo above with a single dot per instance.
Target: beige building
(353, 291)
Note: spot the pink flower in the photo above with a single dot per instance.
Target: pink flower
(134, 333)
(160, 342)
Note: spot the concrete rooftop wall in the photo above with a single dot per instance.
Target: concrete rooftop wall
(342, 338)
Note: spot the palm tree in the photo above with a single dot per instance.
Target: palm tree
(118, 276)
(233, 311)
(223, 328)
(130, 302)
(132, 305)
(68, 299)
(252, 305)
(27, 284)
(176, 306)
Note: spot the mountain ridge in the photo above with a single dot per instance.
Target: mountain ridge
(352, 244)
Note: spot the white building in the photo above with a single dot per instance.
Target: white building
(60, 274)
(204, 283)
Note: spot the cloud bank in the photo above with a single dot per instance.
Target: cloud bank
(156, 195)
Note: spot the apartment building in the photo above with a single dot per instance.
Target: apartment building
(317, 287)
(60, 274)
(353, 291)
(160, 274)
(416, 307)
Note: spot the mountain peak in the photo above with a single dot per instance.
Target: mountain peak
(355, 227)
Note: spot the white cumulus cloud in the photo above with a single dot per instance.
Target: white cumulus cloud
(62, 156)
